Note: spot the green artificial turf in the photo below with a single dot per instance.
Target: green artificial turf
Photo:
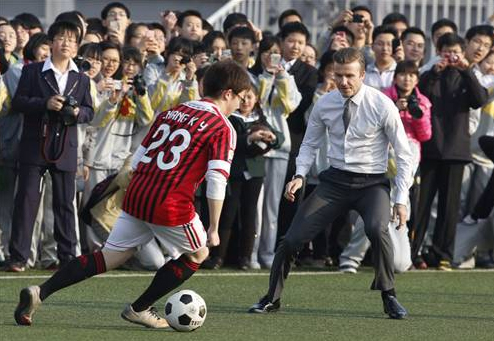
(315, 306)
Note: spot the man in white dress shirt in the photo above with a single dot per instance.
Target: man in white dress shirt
(361, 123)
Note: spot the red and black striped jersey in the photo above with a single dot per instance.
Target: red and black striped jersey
(182, 144)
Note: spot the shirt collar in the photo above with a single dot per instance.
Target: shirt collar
(48, 65)
(357, 98)
(373, 68)
(288, 65)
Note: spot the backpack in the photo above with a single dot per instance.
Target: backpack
(97, 195)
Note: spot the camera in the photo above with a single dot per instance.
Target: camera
(67, 112)
(185, 60)
(358, 18)
(453, 58)
(82, 64)
(139, 85)
(259, 147)
(413, 106)
(395, 43)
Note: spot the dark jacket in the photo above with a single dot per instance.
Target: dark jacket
(30, 99)
(248, 157)
(306, 80)
(452, 93)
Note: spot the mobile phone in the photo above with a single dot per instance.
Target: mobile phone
(117, 84)
(275, 59)
(395, 43)
(358, 18)
(150, 34)
(114, 25)
(226, 54)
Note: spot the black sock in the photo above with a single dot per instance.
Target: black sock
(168, 277)
(390, 292)
(78, 269)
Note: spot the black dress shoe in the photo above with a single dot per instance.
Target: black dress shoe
(213, 263)
(393, 308)
(265, 306)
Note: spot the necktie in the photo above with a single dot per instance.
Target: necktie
(347, 115)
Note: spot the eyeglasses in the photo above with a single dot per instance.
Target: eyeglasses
(129, 63)
(93, 61)
(110, 61)
(113, 14)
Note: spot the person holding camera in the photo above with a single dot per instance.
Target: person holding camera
(255, 137)
(54, 97)
(117, 120)
(279, 96)
(453, 89)
(358, 20)
(172, 82)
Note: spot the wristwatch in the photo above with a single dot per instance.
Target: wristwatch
(298, 176)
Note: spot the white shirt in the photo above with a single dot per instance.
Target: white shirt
(60, 77)
(377, 79)
(375, 123)
(288, 65)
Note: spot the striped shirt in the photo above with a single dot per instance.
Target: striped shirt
(182, 144)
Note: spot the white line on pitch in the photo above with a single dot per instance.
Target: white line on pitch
(244, 274)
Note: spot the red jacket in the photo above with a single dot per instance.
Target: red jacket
(417, 130)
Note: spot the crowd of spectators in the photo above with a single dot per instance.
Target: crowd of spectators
(138, 70)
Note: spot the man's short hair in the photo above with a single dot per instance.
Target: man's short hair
(234, 19)
(287, 13)
(412, 30)
(395, 17)
(450, 39)
(384, 29)
(243, 33)
(224, 75)
(29, 20)
(349, 55)
(443, 23)
(187, 13)
(294, 27)
(407, 66)
(481, 30)
(60, 27)
(111, 5)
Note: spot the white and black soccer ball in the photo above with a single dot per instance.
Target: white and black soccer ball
(185, 311)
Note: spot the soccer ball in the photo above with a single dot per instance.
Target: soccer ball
(185, 311)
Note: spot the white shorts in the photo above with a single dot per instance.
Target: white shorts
(130, 232)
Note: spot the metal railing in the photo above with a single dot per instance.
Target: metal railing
(255, 10)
